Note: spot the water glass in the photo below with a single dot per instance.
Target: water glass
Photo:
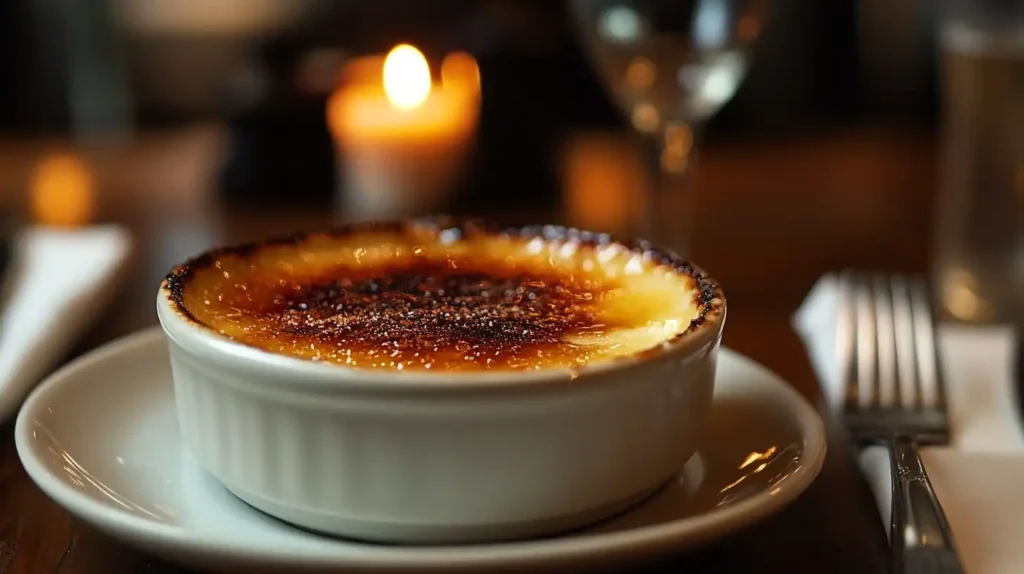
(979, 246)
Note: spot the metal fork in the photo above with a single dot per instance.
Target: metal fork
(895, 396)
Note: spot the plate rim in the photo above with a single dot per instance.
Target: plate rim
(162, 539)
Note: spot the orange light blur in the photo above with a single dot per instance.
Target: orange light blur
(460, 70)
(604, 181)
(62, 191)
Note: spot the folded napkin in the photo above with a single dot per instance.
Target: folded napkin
(59, 280)
(978, 476)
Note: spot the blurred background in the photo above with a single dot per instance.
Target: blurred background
(133, 64)
(196, 122)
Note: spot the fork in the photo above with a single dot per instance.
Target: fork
(895, 396)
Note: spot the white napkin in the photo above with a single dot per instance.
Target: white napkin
(979, 476)
(58, 282)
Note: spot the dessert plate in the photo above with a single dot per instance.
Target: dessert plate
(100, 437)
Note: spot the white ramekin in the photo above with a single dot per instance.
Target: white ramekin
(438, 457)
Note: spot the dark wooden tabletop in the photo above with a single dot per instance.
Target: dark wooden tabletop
(773, 217)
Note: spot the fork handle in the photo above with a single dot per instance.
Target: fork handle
(921, 540)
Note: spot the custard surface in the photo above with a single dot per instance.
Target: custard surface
(424, 301)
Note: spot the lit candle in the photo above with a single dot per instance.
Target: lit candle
(403, 138)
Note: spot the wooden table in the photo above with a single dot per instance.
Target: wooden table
(774, 216)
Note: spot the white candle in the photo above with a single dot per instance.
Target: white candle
(403, 138)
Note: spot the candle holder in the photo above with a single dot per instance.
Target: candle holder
(401, 137)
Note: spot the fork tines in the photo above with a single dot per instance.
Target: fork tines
(887, 349)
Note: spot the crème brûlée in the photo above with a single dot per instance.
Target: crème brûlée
(430, 296)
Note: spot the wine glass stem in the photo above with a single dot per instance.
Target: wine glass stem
(669, 207)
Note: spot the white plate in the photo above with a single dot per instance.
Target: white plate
(100, 437)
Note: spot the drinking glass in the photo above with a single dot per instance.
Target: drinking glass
(670, 65)
(979, 242)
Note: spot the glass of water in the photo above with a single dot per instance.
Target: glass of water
(979, 245)
(670, 65)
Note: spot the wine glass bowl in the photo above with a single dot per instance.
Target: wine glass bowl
(669, 60)
(670, 65)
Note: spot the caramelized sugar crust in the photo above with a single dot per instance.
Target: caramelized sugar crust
(444, 296)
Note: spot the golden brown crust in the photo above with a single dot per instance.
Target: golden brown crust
(415, 316)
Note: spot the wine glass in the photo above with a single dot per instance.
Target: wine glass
(670, 65)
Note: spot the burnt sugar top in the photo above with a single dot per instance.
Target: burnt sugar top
(438, 295)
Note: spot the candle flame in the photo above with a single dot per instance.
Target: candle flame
(406, 77)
